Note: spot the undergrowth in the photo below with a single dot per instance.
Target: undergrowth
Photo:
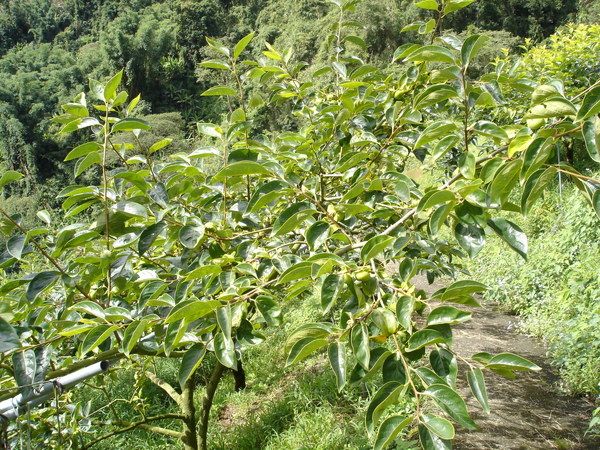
(557, 291)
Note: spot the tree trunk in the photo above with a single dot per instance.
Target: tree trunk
(190, 438)
(239, 376)
(211, 388)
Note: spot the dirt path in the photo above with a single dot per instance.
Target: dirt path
(528, 412)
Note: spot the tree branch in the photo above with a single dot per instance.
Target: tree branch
(140, 424)
(164, 386)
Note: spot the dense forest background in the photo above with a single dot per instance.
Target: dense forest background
(49, 48)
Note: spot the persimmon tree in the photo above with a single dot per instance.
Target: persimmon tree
(170, 258)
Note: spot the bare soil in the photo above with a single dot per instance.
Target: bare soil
(528, 412)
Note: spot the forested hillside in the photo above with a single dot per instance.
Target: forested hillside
(222, 209)
(49, 49)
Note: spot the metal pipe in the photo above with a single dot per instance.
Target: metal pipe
(11, 408)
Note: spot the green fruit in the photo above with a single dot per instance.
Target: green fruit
(348, 279)
(385, 320)
(363, 276)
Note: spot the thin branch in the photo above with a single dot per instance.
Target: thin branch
(140, 424)
(164, 386)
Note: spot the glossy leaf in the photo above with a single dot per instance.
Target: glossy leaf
(591, 138)
(511, 234)
(9, 340)
(303, 348)
(470, 237)
(389, 431)
(590, 106)
(270, 310)
(438, 426)
(512, 362)
(423, 338)
(190, 362)
(383, 399)
(40, 283)
(359, 342)
(330, 291)
(225, 351)
(477, 385)
(447, 314)
(452, 404)
(336, 353)
(374, 247)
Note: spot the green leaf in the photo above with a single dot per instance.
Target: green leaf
(132, 335)
(433, 53)
(209, 269)
(389, 431)
(451, 403)
(424, 337)
(191, 310)
(292, 218)
(596, 202)
(591, 139)
(218, 46)
(455, 5)
(470, 237)
(16, 246)
(312, 330)
(76, 109)
(374, 247)
(317, 234)
(159, 145)
(40, 283)
(149, 235)
(459, 289)
(504, 181)
(511, 362)
(270, 310)
(477, 384)
(439, 216)
(89, 307)
(471, 47)
(241, 168)
(330, 291)
(190, 362)
(191, 235)
(110, 89)
(97, 336)
(385, 320)
(434, 198)
(241, 45)
(130, 124)
(82, 150)
(535, 186)
(552, 107)
(434, 94)
(383, 398)
(9, 340)
(430, 441)
(447, 314)
(224, 320)
(215, 64)
(87, 162)
(590, 106)
(535, 156)
(336, 352)
(438, 426)
(404, 310)
(434, 131)
(220, 90)
(378, 357)
(8, 177)
(511, 234)
(225, 351)
(304, 347)
(359, 342)
(490, 129)
(300, 270)
(173, 335)
(265, 194)
(428, 4)
(130, 209)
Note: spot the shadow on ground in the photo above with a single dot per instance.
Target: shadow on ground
(528, 412)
